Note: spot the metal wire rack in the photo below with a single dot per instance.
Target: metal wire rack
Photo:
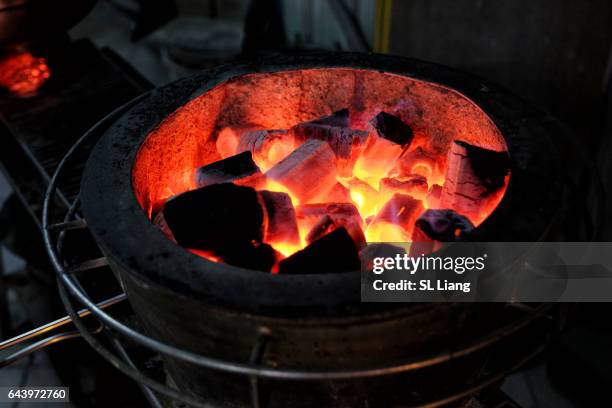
(71, 289)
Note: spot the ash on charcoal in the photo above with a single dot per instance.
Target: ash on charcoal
(216, 217)
(281, 223)
(307, 172)
(239, 169)
(444, 225)
(345, 142)
(416, 161)
(333, 253)
(472, 175)
(414, 186)
(268, 147)
(336, 211)
(229, 138)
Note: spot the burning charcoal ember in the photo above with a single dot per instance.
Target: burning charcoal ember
(364, 196)
(281, 223)
(307, 172)
(229, 137)
(395, 220)
(335, 252)
(338, 194)
(310, 214)
(433, 196)
(416, 161)
(346, 143)
(216, 217)
(473, 174)
(239, 169)
(388, 139)
(268, 147)
(327, 224)
(322, 227)
(260, 257)
(414, 186)
(443, 225)
(160, 222)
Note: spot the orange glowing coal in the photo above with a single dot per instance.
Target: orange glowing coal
(23, 74)
(415, 162)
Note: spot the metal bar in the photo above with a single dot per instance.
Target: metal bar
(256, 353)
(57, 323)
(87, 265)
(37, 346)
(487, 382)
(121, 365)
(149, 395)
(68, 225)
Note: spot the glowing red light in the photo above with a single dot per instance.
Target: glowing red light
(23, 73)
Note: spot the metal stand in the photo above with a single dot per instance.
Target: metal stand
(70, 288)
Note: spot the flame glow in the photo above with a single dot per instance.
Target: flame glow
(22, 74)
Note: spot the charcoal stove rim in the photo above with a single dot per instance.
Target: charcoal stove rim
(147, 255)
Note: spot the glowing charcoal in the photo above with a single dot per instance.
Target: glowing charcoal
(281, 225)
(307, 172)
(346, 143)
(416, 161)
(268, 147)
(333, 253)
(414, 186)
(389, 137)
(239, 169)
(400, 211)
(229, 138)
(433, 196)
(364, 196)
(327, 224)
(473, 174)
(338, 194)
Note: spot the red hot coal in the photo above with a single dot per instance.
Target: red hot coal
(283, 172)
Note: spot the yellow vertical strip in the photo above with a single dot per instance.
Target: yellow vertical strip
(386, 26)
(378, 14)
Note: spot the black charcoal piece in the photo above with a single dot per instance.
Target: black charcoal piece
(214, 217)
(339, 118)
(392, 128)
(333, 253)
(239, 168)
(260, 257)
(443, 225)
(472, 175)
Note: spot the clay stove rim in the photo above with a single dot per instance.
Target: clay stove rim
(132, 243)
